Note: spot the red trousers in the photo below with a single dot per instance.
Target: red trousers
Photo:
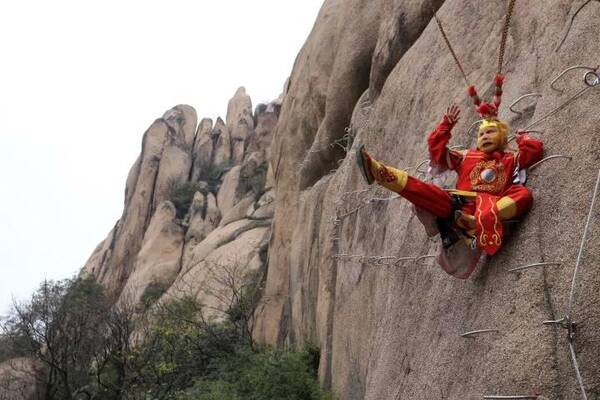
(437, 201)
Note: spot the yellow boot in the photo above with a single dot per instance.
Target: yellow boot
(375, 171)
(364, 162)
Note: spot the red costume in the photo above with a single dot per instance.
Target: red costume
(490, 175)
(488, 190)
(487, 184)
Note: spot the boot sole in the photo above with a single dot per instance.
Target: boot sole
(360, 160)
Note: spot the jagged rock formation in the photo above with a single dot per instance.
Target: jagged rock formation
(381, 67)
(170, 241)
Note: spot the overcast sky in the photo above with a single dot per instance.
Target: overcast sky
(80, 82)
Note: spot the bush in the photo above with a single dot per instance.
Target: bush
(152, 293)
(59, 327)
(182, 194)
(265, 375)
(86, 344)
(213, 176)
(210, 390)
(275, 374)
(253, 178)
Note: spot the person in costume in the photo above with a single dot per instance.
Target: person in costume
(488, 190)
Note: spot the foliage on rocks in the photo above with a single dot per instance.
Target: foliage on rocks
(181, 195)
(97, 350)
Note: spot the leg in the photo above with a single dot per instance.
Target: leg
(429, 197)
(515, 201)
(491, 212)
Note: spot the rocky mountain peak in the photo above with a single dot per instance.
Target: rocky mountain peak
(190, 183)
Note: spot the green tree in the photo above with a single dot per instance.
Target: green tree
(55, 326)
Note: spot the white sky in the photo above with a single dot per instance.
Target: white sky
(80, 82)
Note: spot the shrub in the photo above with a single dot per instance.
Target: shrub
(253, 177)
(60, 325)
(265, 375)
(276, 374)
(182, 194)
(152, 293)
(213, 176)
(86, 343)
(210, 390)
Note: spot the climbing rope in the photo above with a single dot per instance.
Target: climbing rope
(505, 28)
(509, 12)
(456, 60)
(581, 247)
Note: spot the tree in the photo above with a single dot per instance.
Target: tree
(54, 327)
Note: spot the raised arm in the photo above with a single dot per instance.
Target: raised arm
(438, 141)
(530, 150)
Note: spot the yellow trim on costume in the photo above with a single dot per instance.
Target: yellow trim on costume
(486, 123)
(402, 178)
(389, 177)
(507, 208)
(496, 236)
(464, 193)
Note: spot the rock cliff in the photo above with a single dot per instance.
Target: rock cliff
(283, 178)
(196, 199)
(381, 68)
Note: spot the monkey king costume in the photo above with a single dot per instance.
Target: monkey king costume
(488, 189)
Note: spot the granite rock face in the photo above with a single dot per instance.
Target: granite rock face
(222, 144)
(186, 209)
(382, 69)
(240, 123)
(280, 191)
(203, 148)
(160, 257)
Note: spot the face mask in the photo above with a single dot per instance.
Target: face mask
(490, 138)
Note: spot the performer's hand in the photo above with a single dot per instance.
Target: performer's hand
(522, 133)
(453, 114)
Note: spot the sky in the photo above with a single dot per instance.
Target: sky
(81, 81)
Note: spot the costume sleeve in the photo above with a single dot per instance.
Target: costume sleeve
(530, 150)
(437, 141)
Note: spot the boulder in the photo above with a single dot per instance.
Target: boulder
(203, 149)
(213, 215)
(22, 379)
(229, 194)
(218, 238)
(264, 208)
(222, 145)
(195, 218)
(230, 261)
(126, 240)
(102, 252)
(260, 139)
(204, 216)
(176, 160)
(253, 174)
(240, 123)
(239, 115)
(238, 211)
(159, 259)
